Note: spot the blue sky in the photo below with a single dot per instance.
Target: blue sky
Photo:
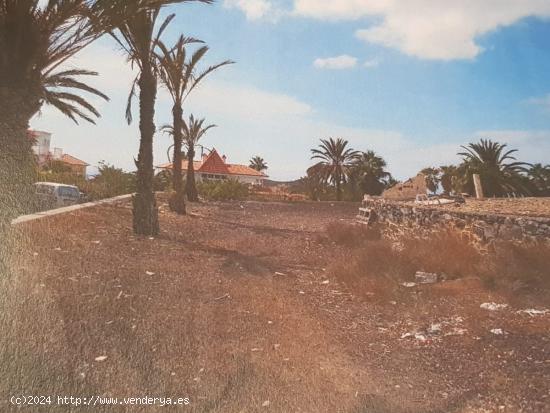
(413, 81)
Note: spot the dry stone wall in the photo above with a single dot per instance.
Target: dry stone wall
(402, 218)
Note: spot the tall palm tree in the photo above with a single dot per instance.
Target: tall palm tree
(136, 36)
(499, 171)
(368, 172)
(258, 163)
(335, 161)
(540, 179)
(36, 38)
(179, 75)
(193, 131)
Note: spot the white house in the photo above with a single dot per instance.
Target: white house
(214, 167)
(41, 148)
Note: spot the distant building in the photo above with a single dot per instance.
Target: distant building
(41, 148)
(214, 167)
(408, 189)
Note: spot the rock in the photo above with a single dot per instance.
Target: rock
(425, 277)
(493, 306)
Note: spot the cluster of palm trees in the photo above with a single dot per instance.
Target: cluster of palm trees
(342, 167)
(38, 36)
(500, 172)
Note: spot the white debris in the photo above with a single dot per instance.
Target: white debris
(408, 284)
(493, 306)
(435, 328)
(456, 332)
(301, 292)
(325, 282)
(533, 312)
(425, 277)
(96, 242)
(497, 331)
(280, 273)
(417, 336)
(266, 403)
(101, 358)
(149, 273)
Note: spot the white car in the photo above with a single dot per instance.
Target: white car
(53, 195)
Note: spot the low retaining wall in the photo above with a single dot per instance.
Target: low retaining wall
(401, 218)
(64, 210)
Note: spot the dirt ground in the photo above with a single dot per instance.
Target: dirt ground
(234, 306)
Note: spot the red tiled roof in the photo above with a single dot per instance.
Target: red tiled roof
(71, 160)
(214, 164)
(244, 170)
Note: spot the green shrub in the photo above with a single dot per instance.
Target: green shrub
(225, 190)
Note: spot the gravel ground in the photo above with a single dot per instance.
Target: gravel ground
(234, 306)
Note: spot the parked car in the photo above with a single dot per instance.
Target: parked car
(52, 195)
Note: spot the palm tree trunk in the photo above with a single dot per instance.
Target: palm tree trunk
(145, 211)
(338, 190)
(177, 202)
(17, 163)
(17, 166)
(190, 186)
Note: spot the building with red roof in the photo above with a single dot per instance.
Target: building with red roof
(215, 167)
(41, 148)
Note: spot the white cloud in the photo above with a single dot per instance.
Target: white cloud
(427, 29)
(336, 63)
(371, 63)
(245, 101)
(254, 9)
(542, 102)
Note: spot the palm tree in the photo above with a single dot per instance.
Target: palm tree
(368, 172)
(499, 171)
(179, 76)
(540, 179)
(335, 162)
(193, 131)
(258, 163)
(36, 37)
(432, 177)
(136, 36)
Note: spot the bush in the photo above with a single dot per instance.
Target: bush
(110, 182)
(226, 190)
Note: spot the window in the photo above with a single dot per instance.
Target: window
(68, 192)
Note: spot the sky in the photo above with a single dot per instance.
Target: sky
(410, 80)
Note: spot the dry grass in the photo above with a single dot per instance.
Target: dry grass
(374, 263)
(351, 235)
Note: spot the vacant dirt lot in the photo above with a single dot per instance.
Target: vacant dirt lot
(235, 307)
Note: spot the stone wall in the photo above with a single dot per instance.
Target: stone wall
(405, 218)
